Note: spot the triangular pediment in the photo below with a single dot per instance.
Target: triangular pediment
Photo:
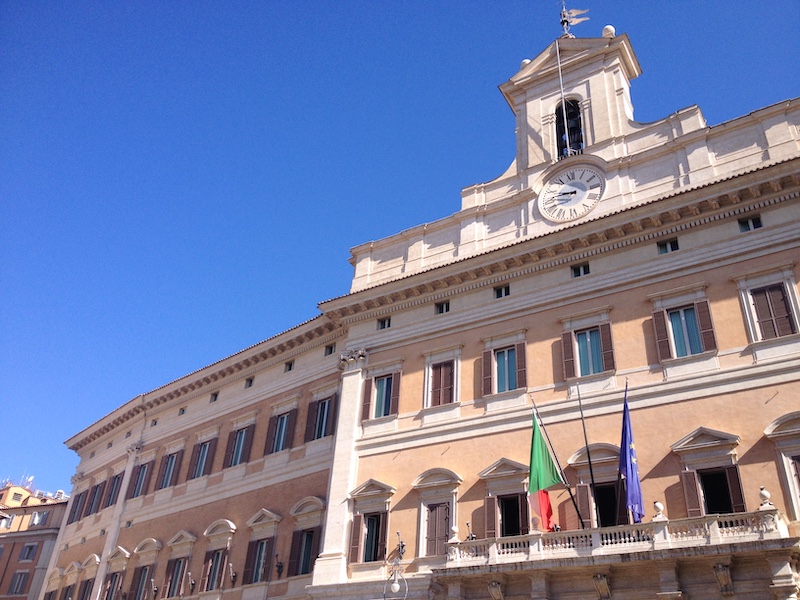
(505, 467)
(263, 517)
(119, 553)
(705, 438)
(72, 567)
(182, 537)
(373, 488)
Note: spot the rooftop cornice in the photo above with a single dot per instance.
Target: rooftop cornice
(679, 211)
(271, 351)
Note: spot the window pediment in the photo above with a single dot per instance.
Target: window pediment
(605, 462)
(372, 496)
(437, 478)
(181, 544)
(706, 448)
(504, 468)
(147, 550)
(118, 559)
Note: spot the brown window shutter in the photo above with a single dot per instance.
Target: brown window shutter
(148, 476)
(162, 467)
(382, 535)
(137, 575)
(662, 335)
(132, 482)
(448, 382)
(229, 450)
(438, 529)
(248, 442)
(316, 540)
(366, 400)
(394, 406)
(177, 469)
(707, 337)
(735, 488)
(333, 414)
(784, 325)
(583, 496)
(691, 493)
(522, 373)
(436, 384)
(101, 492)
(290, 423)
(487, 373)
(607, 347)
(568, 352)
(212, 451)
(249, 562)
(766, 322)
(524, 516)
(490, 516)
(356, 536)
(311, 421)
(267, 570)
(206, 570)
(193, 462)
(273, 426)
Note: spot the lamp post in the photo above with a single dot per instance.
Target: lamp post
(396, 582)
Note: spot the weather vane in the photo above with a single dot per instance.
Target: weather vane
(571, 17)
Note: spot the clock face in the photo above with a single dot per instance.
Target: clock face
(571, 194)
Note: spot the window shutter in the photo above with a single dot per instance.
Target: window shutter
(524, 516)
(356, 535)
(267, 569)
(436, 384)
(137, 575)
(780, 309)
(229, 450)
(366, 400)
(606, 347)
(206, 570)
(522, 377)
(490, 516)
(290, 423)
(316, 535)
(176, 470)
(132, 482)
(311, 421)
(707, 336)
(448, 382)
(764, 314)
(193, 462)
(487, 373)
(273, 426)
(662, 335)
(212, 450)
(395, 399)
(101, 492)
(438, 529)
(620, 489)
(248, 442)
(249, 562)
(382, 533)
(691, 493)
(168, 578)
(568, 353)
(333, 414)
(735, 488)
(583, 495)
(162, 467)
(148, 476)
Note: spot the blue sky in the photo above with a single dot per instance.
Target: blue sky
(181, 180)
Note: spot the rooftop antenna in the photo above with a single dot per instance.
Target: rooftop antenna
(568, 18)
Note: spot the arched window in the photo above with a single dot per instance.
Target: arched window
(570, 142)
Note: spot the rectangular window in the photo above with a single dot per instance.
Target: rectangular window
(95, 498)
(304, 550)
(750, 223)
(385, 323)
(323, 416)
(374, 537)
(288, 366)
(442, 307)
(85, 591)
(258, 562)
(112, 586)
(773, 312)
(595, 353)
(168, 472)
(19, 581)
(506, 370)
(442, 383)
(281, 428)
(113, 490)
(5, 522)
(330, 349)
(213, 397)
(437, 529)
(502, 291)
(248, 382)
(76, 512)
(214, 569)
(383, 396)
(174, 581)
(66, 592)
(141, 583)
(238, 447)
(28, 551)
(590, 354)
(202, 464)
(513, 515)
(684, 331)
(580, 270)
(140, 481)
(39, 517)
(668, 246)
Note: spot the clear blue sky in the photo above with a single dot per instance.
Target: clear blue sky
(181, 180)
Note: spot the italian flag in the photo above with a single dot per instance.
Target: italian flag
(543, 474)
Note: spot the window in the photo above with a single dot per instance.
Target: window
(580, 270)
(248, 382)
(594, 351)
(442, 383)
(330, 349)
(381, 396)
(174, 580)
(569, 130)
(773, 312)
(113, 490)
(66, 592)
(181, 411)
(154, 422)
(85, 591)
(668, 246)
(304, 550)
(28, 551)
(16, 496)
(504, 369)
(684, 331)
(288, 366)
(750, 223)
(39, 517)
(502, 291)
(113, 585)
(280, 435)
(506, 515)
(713, 491)
(5, 522)
(213, 397)
(239, 443)
(168, 471)
(76, 512)
(321, 418)
(141, 584)
(368, 537)
(385, 323)
(140, 480)
(95, 498)
(213, 569)
(437, 530)
(259, 561)
(19, 581)
(202, 458)
(442, 307)
(604, 506)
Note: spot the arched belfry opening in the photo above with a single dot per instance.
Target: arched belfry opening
(569, 128)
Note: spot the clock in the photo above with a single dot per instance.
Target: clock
(571, 194)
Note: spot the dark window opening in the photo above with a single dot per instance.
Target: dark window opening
(571, 142)
(716, 495)
(513, 515)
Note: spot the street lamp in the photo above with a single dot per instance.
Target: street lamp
(395, 582)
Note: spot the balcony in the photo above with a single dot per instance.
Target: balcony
(659, 534)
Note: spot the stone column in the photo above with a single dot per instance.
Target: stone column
(331, 565)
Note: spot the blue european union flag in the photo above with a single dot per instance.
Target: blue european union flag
(629, 465)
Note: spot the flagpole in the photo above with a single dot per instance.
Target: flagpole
(588, 452)
(538, 418)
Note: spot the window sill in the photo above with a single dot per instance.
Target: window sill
(776, 348)
(385, 424)
(443, 412)
(504, 400)
(319, 445)
(588, 384)
(690, 365)
(369, 570)
(234, 472)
